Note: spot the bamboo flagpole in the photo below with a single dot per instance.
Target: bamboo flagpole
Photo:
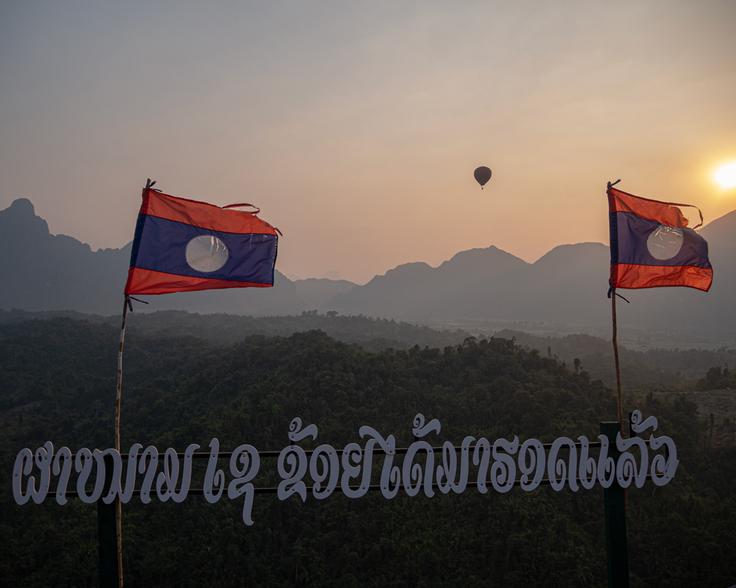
(614, 341)
(614, 334)
(252, 265)
(127, 306)
(118, 397)
(652, 246)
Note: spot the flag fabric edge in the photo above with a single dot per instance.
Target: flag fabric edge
(637, 268)
(166, 225)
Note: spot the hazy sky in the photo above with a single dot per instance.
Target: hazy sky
(356, 126)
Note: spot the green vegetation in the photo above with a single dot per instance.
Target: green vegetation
(57, 383)
(718, 378)
(678, 369)
(224, 329)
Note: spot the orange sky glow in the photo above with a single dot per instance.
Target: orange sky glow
(356, 126)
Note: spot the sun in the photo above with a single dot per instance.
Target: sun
(725, 175)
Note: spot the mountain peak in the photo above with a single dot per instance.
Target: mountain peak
(21, 207)
(20, 217)
(572, 251)
(725, 225)
(482, 254)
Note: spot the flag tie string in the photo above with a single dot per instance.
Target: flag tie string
(612, 292)
(128, 300)
(255, 210)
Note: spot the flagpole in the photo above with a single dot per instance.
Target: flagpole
(118, 397)
(614, 340)
(614, 334)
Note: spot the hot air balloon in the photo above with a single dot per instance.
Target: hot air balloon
(482, 175)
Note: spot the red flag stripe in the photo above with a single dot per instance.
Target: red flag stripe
(661, 212)
(655, 276)
(143, 281)
(202, 214)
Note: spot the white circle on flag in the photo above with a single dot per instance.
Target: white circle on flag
(665, 242)
(206, 253)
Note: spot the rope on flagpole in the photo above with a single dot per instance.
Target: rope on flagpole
(118, 397)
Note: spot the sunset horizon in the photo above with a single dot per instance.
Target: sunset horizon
(333, 275)
(359, 121)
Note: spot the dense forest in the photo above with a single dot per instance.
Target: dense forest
(644, 369)
(718, 377)
(57, 383)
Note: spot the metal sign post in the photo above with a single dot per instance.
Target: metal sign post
(107, 537)
(614, 499)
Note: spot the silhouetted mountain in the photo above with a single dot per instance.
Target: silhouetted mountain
(313, 292)
(42, 271)
(565, 289)
(466, 283)
(489, 284)
(567, 286)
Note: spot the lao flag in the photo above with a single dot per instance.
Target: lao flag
(182, 245)
(652, 247)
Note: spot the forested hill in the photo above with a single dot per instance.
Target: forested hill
(225, 329)
(649, 369)
(642, 369)
(58, 384)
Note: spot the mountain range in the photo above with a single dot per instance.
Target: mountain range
(563, 290)
(42, 271)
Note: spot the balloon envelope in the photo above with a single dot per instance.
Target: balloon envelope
(482, 175)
